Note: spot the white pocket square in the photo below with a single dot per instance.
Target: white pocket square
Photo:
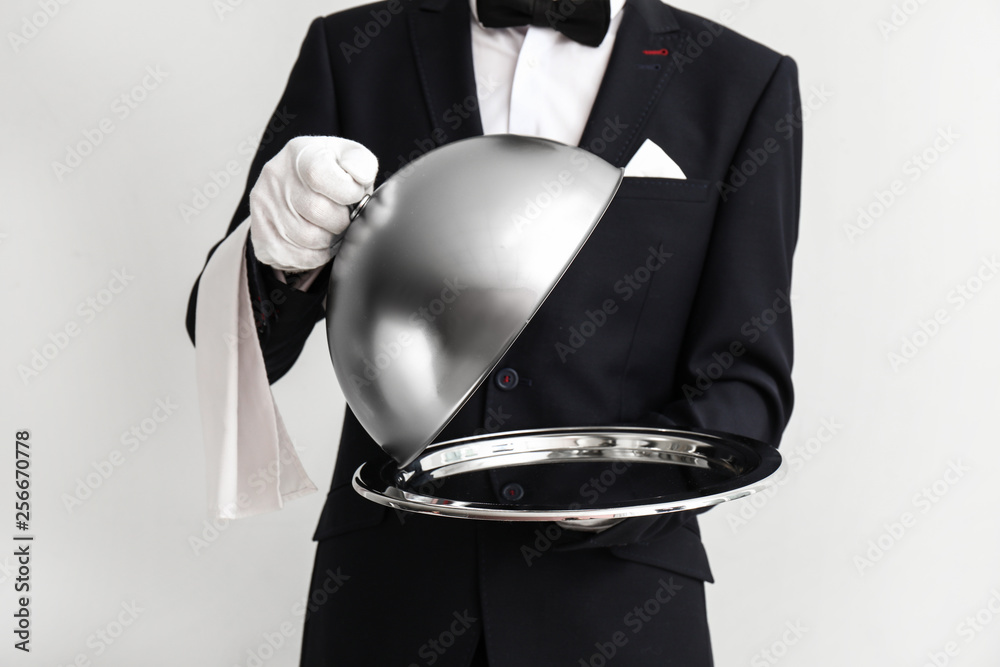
(651, 161)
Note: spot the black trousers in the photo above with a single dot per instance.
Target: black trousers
(479, 657)
(374, 589)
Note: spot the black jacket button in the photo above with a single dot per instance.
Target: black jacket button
(512, 491)
(506, 378)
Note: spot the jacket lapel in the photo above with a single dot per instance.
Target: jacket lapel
(633, 82)
(442, 49)
(637, 73)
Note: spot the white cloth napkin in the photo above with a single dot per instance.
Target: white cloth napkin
(652, 161)
(251, 464)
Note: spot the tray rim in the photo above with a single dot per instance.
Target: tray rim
(770, 470)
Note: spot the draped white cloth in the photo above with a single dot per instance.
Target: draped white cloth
(250, 461)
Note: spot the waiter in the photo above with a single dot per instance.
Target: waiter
(707, 125)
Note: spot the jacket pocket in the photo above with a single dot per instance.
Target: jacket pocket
(345, 511)
(672, 189)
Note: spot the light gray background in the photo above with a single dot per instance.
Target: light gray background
(790, 558)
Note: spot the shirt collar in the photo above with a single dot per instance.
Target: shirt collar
(616, 6)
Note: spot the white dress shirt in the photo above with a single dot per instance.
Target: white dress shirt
(536, 81)
(531, 81)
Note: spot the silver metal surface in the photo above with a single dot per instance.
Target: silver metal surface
(442, 269)
(356, 209)
(682, 469)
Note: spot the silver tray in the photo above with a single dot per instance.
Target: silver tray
(575, 474)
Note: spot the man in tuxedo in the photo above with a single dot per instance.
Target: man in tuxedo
(707, 125)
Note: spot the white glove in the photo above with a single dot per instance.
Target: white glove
(299, 207)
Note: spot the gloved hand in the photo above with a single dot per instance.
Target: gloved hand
(299, 207)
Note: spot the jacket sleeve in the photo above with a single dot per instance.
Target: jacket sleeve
(735, 374)
(285, 316)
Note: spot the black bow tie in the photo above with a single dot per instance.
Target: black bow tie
(584, 21)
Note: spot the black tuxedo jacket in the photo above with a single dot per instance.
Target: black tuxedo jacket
(702, 340)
